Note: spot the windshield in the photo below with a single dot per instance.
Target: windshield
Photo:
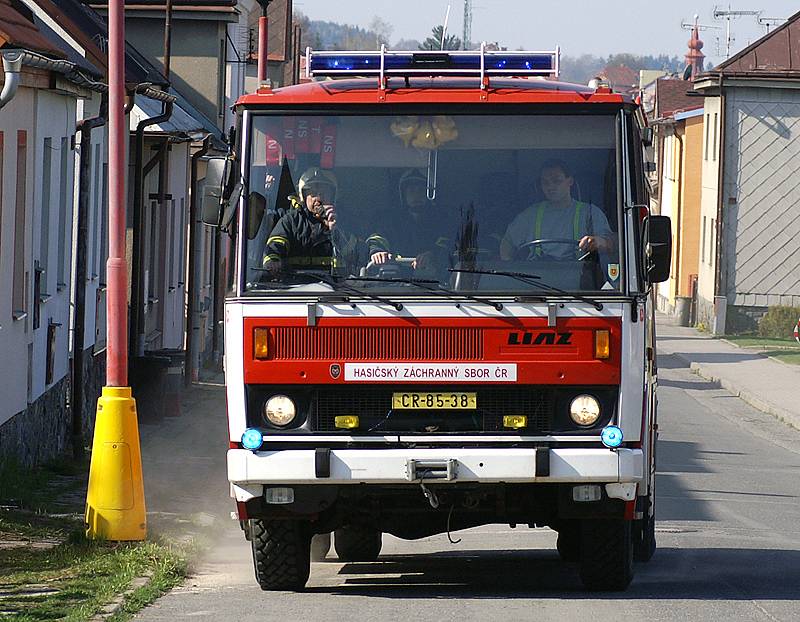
(456, 200)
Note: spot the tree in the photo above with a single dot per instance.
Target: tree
(434, 42)
(382, 29)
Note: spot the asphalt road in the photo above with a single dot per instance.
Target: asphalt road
(728, 538)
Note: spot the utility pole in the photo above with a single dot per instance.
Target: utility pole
(115, 495)
(466, 34)
(728, 15)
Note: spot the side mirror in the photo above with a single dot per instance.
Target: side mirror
(657, 248)
(211, 201)
(647, 136)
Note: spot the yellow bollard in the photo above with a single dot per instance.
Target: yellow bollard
(115, 497)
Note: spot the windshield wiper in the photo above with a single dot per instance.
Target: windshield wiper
(533, 279)
(338, 282)
(427, 284)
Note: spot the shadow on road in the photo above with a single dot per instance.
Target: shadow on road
(694, 574)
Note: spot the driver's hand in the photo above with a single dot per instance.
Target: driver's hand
(590, 243)
(381, 257)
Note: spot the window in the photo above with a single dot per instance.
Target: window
(713, 242)
(96, 216)
(104, 226)
(64, 203)
(705, 142)
(19, 296)
(714, 143)
(703, 242)
(44, 233)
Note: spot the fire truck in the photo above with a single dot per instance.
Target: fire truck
(441, 311)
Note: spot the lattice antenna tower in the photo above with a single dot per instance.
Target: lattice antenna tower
(728, 15)
(466, 35)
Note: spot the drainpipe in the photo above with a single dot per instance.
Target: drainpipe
(137, 302)
(193, 317)
(167, 38)
(262, 43)
(85, 128)
(12, 65)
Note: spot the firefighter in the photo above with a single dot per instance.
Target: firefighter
(307, 236)
(558, 217)
(420, 221)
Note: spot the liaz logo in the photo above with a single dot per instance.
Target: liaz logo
(539, 339)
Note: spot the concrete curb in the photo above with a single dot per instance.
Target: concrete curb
(116, 604)
(789, 418)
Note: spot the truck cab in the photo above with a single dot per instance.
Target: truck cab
(459, 330)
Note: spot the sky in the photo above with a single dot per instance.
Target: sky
(599, 27)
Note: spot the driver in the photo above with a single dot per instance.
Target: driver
(307, 234)
(559, 217)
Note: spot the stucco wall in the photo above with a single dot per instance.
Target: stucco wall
(708, 212)
(196, 67)
(691, 197)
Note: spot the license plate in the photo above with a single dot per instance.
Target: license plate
(435, 401)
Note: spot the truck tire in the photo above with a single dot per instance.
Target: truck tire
(357, 544)
(606, 554)
(644, 539)
(281, 553)
(320, 547)
(569, 541)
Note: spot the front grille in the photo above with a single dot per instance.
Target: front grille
(374, 407)
(378, 343)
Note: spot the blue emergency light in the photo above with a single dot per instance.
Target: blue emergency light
(385, 63)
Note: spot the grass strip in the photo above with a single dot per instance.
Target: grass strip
(59, 574)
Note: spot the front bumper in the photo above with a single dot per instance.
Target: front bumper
(249, 471)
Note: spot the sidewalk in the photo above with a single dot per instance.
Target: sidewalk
(768, 385)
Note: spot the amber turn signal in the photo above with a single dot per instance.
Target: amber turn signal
(515, 421)
(347, 422)
(602, 344)
(261, 343)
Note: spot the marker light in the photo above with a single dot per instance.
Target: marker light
(602, 344)
(252, 439)
(280, 410)
(261, 343)
(584, 410)
(348, 422)
(515, 421)
(611, 436)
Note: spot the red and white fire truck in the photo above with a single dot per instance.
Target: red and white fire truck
(464, 335)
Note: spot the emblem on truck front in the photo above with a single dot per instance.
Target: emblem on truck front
(336, 370)
(539, 339)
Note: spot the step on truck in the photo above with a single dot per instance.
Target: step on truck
(439, 310)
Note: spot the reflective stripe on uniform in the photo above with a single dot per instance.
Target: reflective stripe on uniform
(278, 239)
(313, 261)
(576, 224)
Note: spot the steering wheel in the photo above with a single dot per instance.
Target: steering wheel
(554, 241)
(394, 265)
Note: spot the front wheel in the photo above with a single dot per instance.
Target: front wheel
(606, 554)
(281, 553)
(357, 544)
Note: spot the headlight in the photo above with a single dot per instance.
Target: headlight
(584, 410)
(280, 410)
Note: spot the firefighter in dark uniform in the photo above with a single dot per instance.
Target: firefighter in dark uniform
(307, 236)
(418, 227)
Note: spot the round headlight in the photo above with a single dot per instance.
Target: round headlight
(280, 410)
(584, 410)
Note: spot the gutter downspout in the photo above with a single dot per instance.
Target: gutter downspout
(193, 330)
(137, 302)
(679, 224)
(12, 65)
(85, 128)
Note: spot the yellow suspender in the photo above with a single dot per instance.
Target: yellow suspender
(576, 224)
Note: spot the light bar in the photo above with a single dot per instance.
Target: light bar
(385, 63)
